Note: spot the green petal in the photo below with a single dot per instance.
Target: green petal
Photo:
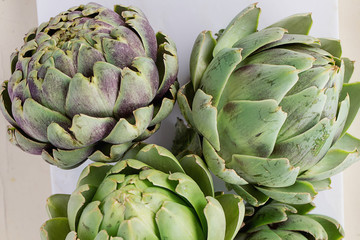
(127, 130)
(250, 194)
(5, 104)
(202, 108)
(351, 89)
(266, 234)
(110, 153)
(243, 24)
(281, 56)
(135, 228)
(258, 124)
(349, 69)
(218, 72)
(56, 205)
(196, 168)
(321, 185)
(293, 39)
(300, 193)
(332, 46)
(55, 229)
(201, 56)
(215, 217)
(269, 214)
(256, 40)
(296, 24)
(331, 226)
(89, 222)
(24, 142)
(234, 213)
(259, 82)
(288, 235)
(217, 165)
(159, 158)
(304, 224)
(177, 221)
(264, 171)
(304, 110)
(185, 97)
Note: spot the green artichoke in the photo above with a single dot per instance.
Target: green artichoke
(269, 105)
(278, 221)
(149, 195)
(88, 84)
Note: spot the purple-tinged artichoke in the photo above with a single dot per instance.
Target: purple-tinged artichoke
(88, 84)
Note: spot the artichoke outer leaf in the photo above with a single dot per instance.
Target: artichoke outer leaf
(217, 73)
(56, 205)
(332, 46)
(124, 131)
(321, 185)
(5, 104)
(55, 229)
(196, 168)
(84, 131)
(306, 149)
(217, 165)
(344, 153)
(67, 159)
(135, 228)
(71, 236)
(303, 209)
(234, 210)
(304, 110)
(264, 171)
(102, 235)
(24, 142)
(281, 56)
(167, 63)
(292, 39)
(113, 212)
(159, 158)
(184, 99)
(167, 105)
(115, 154)
(243, 24)
(260, 121)
(256, 40)
(137, 20)
(341, 119)
(250, 194)
(331, 226)
(215, 219)
(259, 82)
(295, 24)
(107, 186)
(349, 69)
(89, 222)
(178, 221)
(301, 192)
(77, 202)
(265, 234)
(202, 109)
(352, 90)
(137, 87)
(289, 235)
(269, 214)
(93, 174)
(304, 224)
(188, 189)
(34, 118)
(201, 56)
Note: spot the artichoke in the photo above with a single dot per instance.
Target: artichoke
(269, 105)
(148, 195)
(277, 221)
(89, 84)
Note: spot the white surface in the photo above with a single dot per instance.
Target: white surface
(183, 21)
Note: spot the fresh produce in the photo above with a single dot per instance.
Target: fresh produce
(272, 107)
(278, 221)
(148, 195)
(89, 84)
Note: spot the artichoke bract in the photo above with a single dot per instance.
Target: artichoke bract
(269, 104)
(277, 221)
(148, 195)
(88, 84)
